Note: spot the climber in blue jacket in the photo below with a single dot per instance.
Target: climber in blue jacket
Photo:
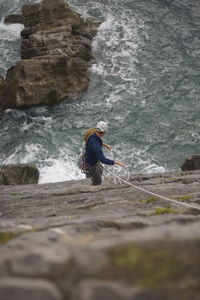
(94, 154)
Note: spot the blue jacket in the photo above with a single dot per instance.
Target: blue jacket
(94, 151)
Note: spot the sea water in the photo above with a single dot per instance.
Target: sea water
(145, 82)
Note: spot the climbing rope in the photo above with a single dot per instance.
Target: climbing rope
(121, 180)
(116, 172)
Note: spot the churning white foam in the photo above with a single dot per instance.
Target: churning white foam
(153, 168)
(115, 48)
(9, 45)
(10, 32)
(58, 170)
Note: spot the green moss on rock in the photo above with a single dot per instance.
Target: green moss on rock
(184, 198)
(6, 236)
(165, 266)
(163, 210)
(150, 200)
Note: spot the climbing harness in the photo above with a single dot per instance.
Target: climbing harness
(86, 168)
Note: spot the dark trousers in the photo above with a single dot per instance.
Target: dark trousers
(97, 171)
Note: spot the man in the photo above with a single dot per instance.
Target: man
(94, 154)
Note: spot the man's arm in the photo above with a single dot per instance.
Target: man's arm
(101, 157)
(107, 161)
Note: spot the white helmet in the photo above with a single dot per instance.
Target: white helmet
(102, 126)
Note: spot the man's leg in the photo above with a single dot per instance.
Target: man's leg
(97, 174)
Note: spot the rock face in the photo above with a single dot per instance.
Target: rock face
(191, 163)
(17, 174)
(2, 91)
(55, 52)
(74, 241)
(14, 19)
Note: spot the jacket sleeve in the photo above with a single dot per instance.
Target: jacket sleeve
(97, 148)
(103, 159)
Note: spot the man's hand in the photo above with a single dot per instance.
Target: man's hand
(120, 163)
(107, 146)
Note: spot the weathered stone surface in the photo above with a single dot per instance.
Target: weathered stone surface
(107, 290)
(13, 19)
(23, 289)
(17, 174)
(105, 242)
(43, 261)
(36, 80)
(49, 14)
(191, 163)
(56, 54)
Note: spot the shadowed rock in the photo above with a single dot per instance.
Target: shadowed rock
(192, 163)
(17, 174)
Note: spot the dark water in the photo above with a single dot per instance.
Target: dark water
(145, 83)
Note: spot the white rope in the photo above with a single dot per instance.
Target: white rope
(154, 194)
(115, 171)
(114, 174)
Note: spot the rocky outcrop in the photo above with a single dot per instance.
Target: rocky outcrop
(17, 174)
(192, 163)
(74, 241)
(55, 52)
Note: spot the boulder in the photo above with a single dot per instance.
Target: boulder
(14, 19)
(17, 174)
(45, 80)
(55, 56)
(192, 163)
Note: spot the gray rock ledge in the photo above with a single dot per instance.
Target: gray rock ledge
(80, 242)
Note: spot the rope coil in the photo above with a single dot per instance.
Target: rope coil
(121, 180)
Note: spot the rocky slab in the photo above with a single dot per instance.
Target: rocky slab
(102, 242)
